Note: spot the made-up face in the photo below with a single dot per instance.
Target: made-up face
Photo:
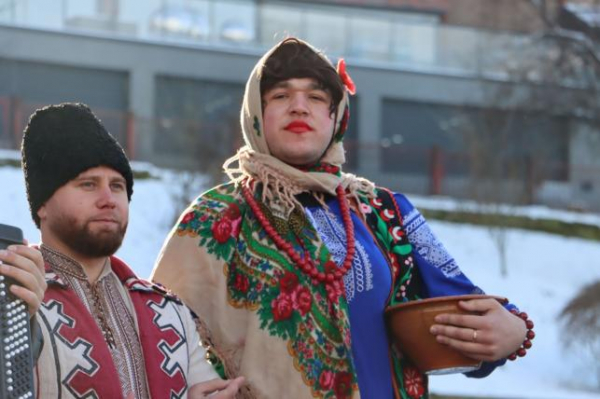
(87, 217)
(298, 123)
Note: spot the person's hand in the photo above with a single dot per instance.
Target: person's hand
(222, 389)
(26, 266)
(492, 334)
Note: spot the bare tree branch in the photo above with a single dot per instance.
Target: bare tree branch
(584, 42)
(541, 7)
(556, 32)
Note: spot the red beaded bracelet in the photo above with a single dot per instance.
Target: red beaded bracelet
(522, 351)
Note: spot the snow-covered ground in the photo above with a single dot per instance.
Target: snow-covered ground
(531, 211)
(544, 272)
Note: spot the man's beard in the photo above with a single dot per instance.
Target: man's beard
(83, 241)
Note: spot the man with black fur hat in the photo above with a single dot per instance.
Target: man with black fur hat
(107, 333)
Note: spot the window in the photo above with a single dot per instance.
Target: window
(490, 143)
(197, 122)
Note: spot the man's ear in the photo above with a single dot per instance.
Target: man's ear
(42, 212)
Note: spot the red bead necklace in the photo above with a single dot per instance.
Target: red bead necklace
(305, 263)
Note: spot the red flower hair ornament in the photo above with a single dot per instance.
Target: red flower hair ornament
(346, 79)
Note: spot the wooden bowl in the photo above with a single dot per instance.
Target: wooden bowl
(410, 322)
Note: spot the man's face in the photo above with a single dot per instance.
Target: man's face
(88, 215)
(298, 121)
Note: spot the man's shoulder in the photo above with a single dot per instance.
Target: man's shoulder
(134, 283)
(152, 288)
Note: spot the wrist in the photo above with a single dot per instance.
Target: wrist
(529, 335)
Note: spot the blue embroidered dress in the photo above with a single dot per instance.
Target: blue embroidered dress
(368, 285)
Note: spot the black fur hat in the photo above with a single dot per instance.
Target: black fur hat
(60, 142)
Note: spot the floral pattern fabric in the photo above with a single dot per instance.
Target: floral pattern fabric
(311, 318)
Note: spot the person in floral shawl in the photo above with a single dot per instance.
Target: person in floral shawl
(293, 262)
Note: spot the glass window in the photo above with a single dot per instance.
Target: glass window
(413, 43)
(327, 31)
(473, 141)
(278, 22)
(197, 122)
(31, 85)
(370, 37)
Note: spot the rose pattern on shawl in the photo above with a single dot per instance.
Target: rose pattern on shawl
(232, 212)
(228, 225)
(216, 220)
(302, 300)
(241, 283)
(282, 307)
(188, 217)
(326, 379)
(342, 385)
(413, 383)
(300, 296)
(221, 230)
(288, 282)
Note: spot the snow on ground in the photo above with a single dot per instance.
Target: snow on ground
(544, 272)
(530, 211)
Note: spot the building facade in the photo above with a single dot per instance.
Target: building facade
(436, 110)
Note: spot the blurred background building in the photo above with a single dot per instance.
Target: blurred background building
(496, 100)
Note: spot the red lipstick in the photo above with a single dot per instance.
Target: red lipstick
(298, 127)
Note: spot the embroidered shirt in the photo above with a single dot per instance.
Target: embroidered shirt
(368, 286)
(110, 305)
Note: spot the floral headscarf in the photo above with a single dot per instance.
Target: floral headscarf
(282, 182)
